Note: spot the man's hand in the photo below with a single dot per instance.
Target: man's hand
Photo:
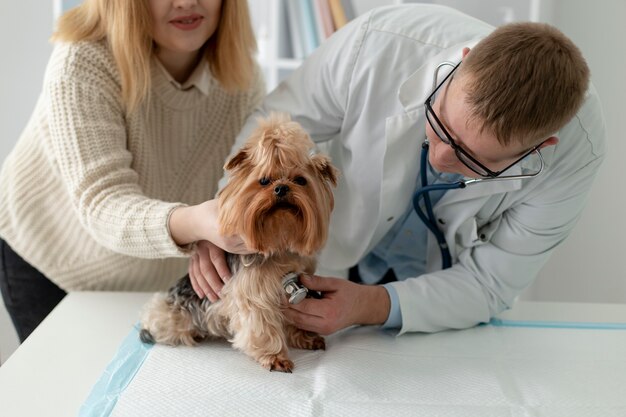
(344, 304)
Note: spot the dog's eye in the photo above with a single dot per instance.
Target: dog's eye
(264, 181)
(300, 180)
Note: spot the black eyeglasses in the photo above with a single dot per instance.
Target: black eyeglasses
(463, 156)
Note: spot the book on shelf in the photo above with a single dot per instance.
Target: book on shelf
(308, 26)
(310, 22)
(348, 9)
(339, 14)
(284, 40)
(323, 19)
(295, 34)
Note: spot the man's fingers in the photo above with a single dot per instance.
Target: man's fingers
(309, 306)
(306, 321)
(317, 283)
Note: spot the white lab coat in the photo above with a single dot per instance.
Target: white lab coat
(360, 96)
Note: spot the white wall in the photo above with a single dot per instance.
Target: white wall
(25, 26)
(588, 266)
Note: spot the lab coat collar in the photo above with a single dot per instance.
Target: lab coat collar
(419, 85)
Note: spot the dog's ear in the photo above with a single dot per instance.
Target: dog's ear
(237, 161)
(326, 170)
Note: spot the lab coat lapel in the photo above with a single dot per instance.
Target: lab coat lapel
(404, 134)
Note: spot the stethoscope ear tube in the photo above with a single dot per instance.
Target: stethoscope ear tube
(428, 218)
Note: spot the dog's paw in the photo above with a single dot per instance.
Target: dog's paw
(301, 339)
(318, 343)
(280, 364)
(312, 342)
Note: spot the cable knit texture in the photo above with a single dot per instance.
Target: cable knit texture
(86, 193)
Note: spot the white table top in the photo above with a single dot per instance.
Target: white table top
(53, 371)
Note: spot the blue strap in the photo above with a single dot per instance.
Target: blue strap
(557, 324)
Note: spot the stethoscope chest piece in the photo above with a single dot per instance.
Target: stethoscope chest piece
(296, 291)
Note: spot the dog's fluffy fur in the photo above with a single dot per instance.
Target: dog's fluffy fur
(279, 200)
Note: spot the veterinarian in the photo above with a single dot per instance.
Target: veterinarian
(519, 105)
(141, 103)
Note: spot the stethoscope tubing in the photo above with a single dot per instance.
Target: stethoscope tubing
(428, 218)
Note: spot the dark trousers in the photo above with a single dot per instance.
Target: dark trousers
(28, 295)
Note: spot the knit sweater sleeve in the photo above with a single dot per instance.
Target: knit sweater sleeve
(87, 141)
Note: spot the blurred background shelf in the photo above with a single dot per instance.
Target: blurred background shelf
(289, 30)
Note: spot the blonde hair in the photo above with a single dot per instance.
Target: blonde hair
(524, 82)
(127, 27)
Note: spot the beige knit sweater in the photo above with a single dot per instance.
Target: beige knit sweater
(86, 193)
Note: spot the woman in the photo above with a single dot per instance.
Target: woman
(142, 101)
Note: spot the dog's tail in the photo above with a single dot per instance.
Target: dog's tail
(169, 323)
(146, 337)
(181, 317)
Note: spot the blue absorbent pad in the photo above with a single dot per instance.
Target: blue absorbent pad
(509, 368)
(116, 377)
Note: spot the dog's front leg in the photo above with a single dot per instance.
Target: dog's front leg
(259, 334)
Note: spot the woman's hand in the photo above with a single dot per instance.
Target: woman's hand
(343, 304)
(208, 269)
(200, 222)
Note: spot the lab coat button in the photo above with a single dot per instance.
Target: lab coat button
(390, 218)
(441, 221)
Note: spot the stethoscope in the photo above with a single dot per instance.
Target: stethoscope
(426, 214)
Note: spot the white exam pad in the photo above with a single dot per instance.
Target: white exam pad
(512, 369)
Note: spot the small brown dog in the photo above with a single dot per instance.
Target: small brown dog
(279, 200)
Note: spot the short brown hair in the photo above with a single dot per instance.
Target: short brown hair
(524, 82)
(127, 27)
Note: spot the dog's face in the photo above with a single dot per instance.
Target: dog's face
(278, 197)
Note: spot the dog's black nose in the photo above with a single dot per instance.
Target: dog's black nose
(281, 190)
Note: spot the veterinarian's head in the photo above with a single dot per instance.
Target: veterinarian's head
(506, 99)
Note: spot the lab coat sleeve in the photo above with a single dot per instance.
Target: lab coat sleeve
(488, 277)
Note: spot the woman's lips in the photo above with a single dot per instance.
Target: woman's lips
(190, 22)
